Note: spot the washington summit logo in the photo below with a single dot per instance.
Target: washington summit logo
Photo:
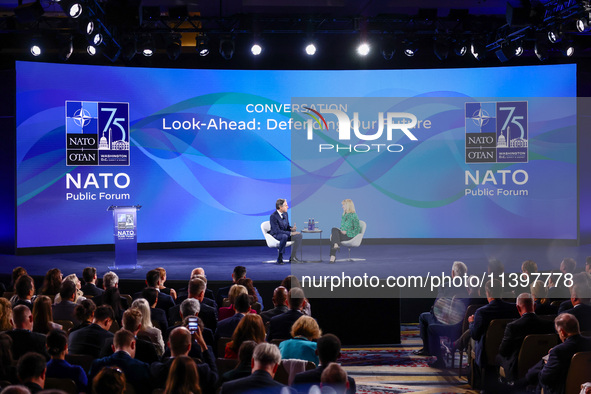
(496, 132)
(97, 133)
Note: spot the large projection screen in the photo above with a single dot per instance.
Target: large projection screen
(207, 152)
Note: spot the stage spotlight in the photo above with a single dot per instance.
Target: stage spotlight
(541, 50)
(478, 50)
(256, 49)
(36, 50)
(411, 49)
(227, 48)
(97, 39)
(73, 8)
(519, 48)
(363, 49)
(202, 45)
(173, 49)
(66, 47)
(91, 50)
(555, 35)
(147, 48)
(310, 49)
(89, 26)
(582, 24)
(441, 48)
(461, 48)
(568, 48)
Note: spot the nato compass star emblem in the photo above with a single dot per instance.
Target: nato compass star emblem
(480, 118)
(82, 118)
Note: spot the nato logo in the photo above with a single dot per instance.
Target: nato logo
(496, 132)
(97, 133)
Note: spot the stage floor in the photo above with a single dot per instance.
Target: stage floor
(381, 260)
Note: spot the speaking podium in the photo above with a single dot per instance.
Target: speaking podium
(125, 234)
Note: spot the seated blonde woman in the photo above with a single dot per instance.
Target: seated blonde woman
(147, 330)
(79, 294)
(6, 322)
(228, 311)
(302, 346)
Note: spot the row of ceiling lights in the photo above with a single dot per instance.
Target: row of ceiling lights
(96, 34)
(145, 46)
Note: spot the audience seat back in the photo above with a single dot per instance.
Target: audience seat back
(84, 360)
(128, 298)
(8, 294)
(579, 372)
(114, 327)
(493, 339)
(66, 385)
(66, 324)
(469, 312)
(532, 350)
(225, 364)
(222, 342)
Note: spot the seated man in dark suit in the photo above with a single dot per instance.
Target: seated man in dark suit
(227, 326)
(280, 325)
(551, 374)
(208, 298)
(145, 350)
(153, 279)
(580, 298)
(110, 280)
(89, 288)
(137, 373)
(329, 350)
(243, 369)
(183, 293)
(516, 331)
(158, 316)
(496, 309)
(557, 287)
(265, 361)
(206, 313)
(25, 291)
(280, 303)
(283, 232)
(180, 343)
(90, 339)
(23, 339)
(580, 278)
(31, 369)
(238, 273)
(191, 307)
(65, 309)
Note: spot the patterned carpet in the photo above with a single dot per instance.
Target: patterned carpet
(396, 370)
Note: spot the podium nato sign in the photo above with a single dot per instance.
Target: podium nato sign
(125, 234)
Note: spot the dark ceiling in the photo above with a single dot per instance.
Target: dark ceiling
(283, 27)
